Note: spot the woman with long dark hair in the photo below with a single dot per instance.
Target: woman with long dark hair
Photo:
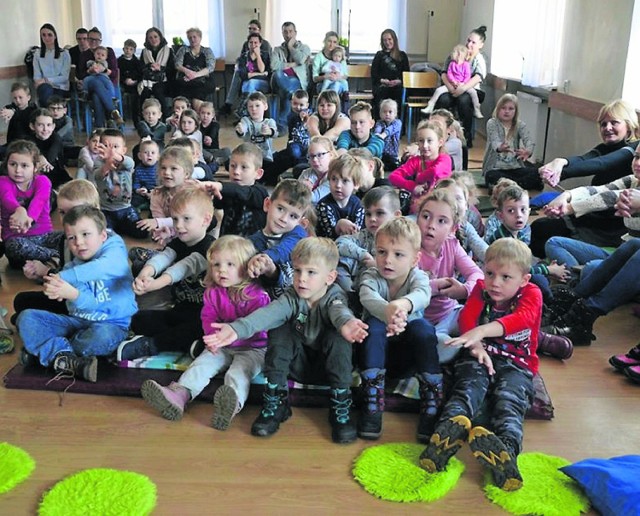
(157, 69)
(386, 70)
(51, 66)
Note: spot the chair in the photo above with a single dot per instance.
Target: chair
(413, 95)
(221, 88)
(359, 73)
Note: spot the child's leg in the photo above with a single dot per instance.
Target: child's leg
(46, 334)
(446, 329)
(126, 223)
(477, 110)
(432, 101)
(572, 252)
(230, 397)
(39, 247)
(172, 330)
(97, 339)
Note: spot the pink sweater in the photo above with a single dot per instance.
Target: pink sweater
(416, 172)
(36, 200)
(218, 307)
(453, 261)
(460, 73)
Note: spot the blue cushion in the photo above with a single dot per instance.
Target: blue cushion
(543, 199)
(612, 485)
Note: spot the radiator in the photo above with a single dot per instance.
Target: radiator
(534, 111)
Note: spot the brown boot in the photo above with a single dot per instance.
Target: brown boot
(556, 346)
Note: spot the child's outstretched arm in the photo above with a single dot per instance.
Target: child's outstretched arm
(57, 288)
(354, 330)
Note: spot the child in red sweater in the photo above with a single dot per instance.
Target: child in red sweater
(499, 325)
(420, 173)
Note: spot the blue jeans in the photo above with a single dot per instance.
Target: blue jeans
(252, 85)
(100, 89)
(614, 281)
(123, 222)
(284, 86)
(46, 334)
(337, 86)
(573, 252)
(413, 351)
(46, 91)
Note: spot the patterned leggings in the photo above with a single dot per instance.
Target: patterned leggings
(37, 247)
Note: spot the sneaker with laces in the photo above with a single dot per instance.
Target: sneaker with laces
(630, 359)
(82, 367)
(136, 347)
(343, 430)
(169, 401)
(117, 117)
(446, 440)
(492, 453)
(275, 410)
(225, 406)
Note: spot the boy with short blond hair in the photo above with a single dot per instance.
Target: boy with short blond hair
(499, 335)
(285, 210)
(360, 133)
(340, 212)
(151, 125)
(257, 129)
(241, 198)
(99, 308)
(311, 328)
(394, 295)
(182, 264)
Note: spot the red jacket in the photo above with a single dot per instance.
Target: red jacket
(521, 324)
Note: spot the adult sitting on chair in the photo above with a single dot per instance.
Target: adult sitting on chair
(386, 71)
(290, 70)
(157, 69)
(51, 66)
(82, 38)
(100, 87)
(255, 27)
(322, 58)
(195, 65)
(254, 67)
(458, 96)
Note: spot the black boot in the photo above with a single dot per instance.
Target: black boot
(342, 429)
(275, 410)
(576, 324)
(431, 394)
(370, 422)
(83, 367)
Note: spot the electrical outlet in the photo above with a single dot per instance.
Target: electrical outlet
(566, 85)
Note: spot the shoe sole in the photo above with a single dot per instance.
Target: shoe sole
(619, 363)
(344, 439)
(491, 452)
(369, 436)
(444, 444)
(225, 403)
(90, 372)
(152, 393)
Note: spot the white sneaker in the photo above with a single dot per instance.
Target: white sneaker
(477, 112)
(427, 111)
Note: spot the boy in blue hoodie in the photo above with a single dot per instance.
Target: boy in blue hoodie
(100, 311)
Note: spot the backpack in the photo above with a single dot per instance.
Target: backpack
(28, 60)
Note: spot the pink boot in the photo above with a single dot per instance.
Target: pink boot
(169, 401)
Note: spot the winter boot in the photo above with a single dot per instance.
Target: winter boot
(275, 410)
(576, 324)
(225, 406)
(370, 422)
(431, 393)
(494, 454)
(555, 346)
(169, 401)
(630, 359)
(446, 440)
(83, 367)
(342, 428)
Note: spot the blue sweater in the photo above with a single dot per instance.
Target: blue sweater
(104, 283)
(145, 177)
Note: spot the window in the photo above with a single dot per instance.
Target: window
(122, 19)
(527, 46)
(361, 21)
(631, 84)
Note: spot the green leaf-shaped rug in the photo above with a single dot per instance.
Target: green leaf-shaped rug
(16, 466)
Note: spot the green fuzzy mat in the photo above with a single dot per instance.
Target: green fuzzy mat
(16, 465)
(100, 491)
(546, 491)
(391, 472)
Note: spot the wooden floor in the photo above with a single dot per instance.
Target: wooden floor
(198, 470)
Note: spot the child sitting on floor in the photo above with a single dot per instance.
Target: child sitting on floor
(311, 329)
(360, 133)
(321, 152)
(87, 155)
(394, 295)
(499, 325)
(230, 294)
(145, 174)
(389, 129)
(100, 310)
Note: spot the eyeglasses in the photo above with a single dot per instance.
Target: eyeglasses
(95, 39)
(318, 155)
(56, 108)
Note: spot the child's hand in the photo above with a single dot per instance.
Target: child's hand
(504, 147)
(240, 128)
(223, 335)
(471, 339)
(265, 129)
(7, 114)
(147, 224)
(34, 269)
(144, 192)
(559, 207)
(354, 330)
(369, 261)
(207, 141)
(483, 358)
(560, 272)
(419, 190)
(212, 187)
(57, 288)
(382, 135)
(304, 115)
(44, 165)
(396, 314)
(523, 154)
(411, 150)
(453, 289)
(260, 264)
(20, 220)
(346, 227)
